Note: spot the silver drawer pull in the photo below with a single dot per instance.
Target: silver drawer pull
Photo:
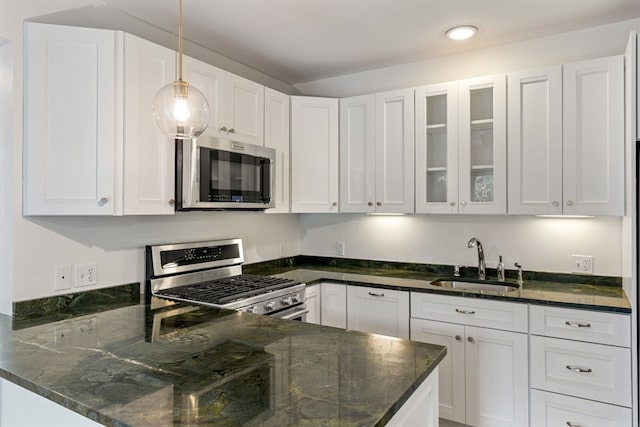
(464, 311)
(578, 324)
(570, 424)
(373, 294)
(579, 369)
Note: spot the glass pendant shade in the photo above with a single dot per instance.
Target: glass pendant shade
(180, 110)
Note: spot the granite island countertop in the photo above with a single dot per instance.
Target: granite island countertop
(189, 365)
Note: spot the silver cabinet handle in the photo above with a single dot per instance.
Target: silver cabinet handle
(569, 202)
(570, 424)
(223, 129)
(458, 338)
(103, 201)
(373, 294)
(578, 324)
(334, 204)
(463, 203)
(555, 203)
(172, 202)
(470, 339)
(232, 130)
(579, 369)
(370, 204)
(379, 203)
(452, 203)
(465, 311)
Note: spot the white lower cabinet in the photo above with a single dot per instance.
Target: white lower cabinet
(379, 311)
(421, 410)
(333, 303)
(580, 368)
(312, 299)
(551, 409)
(484, 377)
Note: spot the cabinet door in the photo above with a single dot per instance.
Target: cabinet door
(379, 311)
(276, 136)
(314, 154)
(437, 148)
(211, 81)
(312, 299)
(593, 156)
(497, 385)
(452, 368)
(334, 305)
(149, 156)
(245, 110)
(535, 141)
(357, 154)
(71, 128)
(421, 409)
(482, 145)
(395, 152)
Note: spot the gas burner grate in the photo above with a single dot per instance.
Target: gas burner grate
(226, 290)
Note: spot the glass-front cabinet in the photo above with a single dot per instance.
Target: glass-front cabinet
(461, 147)
(482, 145)
(437, 148)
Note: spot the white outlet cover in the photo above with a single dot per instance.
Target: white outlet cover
(86, 275)
(582, 264)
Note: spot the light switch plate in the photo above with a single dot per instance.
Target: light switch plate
(63, 277)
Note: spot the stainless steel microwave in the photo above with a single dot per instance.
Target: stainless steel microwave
(216, 173)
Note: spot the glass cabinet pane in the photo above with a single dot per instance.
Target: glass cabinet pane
(436, 148)
(437, 186)
(436, 110)
(481, 104)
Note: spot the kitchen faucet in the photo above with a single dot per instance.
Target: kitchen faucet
(481, 264)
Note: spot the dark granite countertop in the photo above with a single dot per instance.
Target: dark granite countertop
(185, 365)
(570, 291)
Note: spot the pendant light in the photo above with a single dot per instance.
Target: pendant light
(179, 109)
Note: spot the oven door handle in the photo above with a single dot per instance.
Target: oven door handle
(294, 314)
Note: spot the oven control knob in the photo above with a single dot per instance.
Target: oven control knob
(296, 298)
(287, 300)
(270, 306)
(252, 309)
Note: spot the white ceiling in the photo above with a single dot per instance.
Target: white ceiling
(304, 40)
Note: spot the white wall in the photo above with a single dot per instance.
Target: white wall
(6, 176)
(561, 48)
(542, 244)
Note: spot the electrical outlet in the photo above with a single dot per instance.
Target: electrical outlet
(62, 278)
(582, 264)
(340, 248)
(86, 275)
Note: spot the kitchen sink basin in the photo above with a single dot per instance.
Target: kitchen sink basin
(481, 286)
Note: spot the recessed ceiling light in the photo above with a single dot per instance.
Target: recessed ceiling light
(461, 32)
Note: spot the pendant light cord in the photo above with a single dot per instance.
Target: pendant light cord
(180, 34)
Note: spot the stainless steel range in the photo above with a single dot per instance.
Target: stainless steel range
(210, 273)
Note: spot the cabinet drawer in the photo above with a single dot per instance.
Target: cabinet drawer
(581, 325)
(592, 371)
(378, 294)
(467, 311)
(550, 410)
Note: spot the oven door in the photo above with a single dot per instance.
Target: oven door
(222, 174)
(298, 312)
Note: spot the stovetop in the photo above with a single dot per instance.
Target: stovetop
(228, 289)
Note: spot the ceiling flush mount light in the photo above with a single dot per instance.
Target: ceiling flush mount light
(179, 109)
(461, 32)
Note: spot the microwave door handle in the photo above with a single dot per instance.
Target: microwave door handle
(265, 182)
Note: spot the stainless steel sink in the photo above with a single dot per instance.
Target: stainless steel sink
(481, 286)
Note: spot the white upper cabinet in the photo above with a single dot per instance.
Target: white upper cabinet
(482, 155)
(276, 136)
(357, 154)
(535, 141)
(437, 148)
(566, 139)
(149, 156)
(71, 128)
(593, 137)
(395, 151)
(236, 104)
(376, 153)
(99, 154)
(314, 154)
